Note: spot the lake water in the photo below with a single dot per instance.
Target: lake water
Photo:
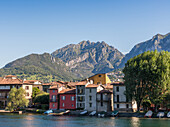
(34, 120)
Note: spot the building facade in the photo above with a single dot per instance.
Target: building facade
(80, 95)
(53, 96)
(67, 99)
(121, 103)
(100, 79)
(104, 101)
(90, 97)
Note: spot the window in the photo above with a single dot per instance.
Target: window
(117, 105)
(80, 98)
(117, 98)
(63, 104)
(90, 104)
(90, 98)
(72, 98)
(26, 87)
(53, 98)
(53, 105)
(53, 91)
(89, 90)
(117, 89)
(127, 105)
(72, 105)
(27, 94)
(80, 104)
(100, 76)
(63, 97)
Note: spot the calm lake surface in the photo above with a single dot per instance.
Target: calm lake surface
(34, 120)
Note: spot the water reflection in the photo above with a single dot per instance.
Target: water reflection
(33, 120)
(135, 122)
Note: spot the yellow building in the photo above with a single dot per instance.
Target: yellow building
(100, 79)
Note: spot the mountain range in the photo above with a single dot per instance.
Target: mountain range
(78, 61)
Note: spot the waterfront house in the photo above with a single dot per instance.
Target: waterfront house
(90, 97)
(53, 96)
(104, 101)
(80, 94)
(9, 82)
(67, 99)
(121, 103)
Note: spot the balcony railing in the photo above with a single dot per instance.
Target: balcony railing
(52, 100)
(3, 96)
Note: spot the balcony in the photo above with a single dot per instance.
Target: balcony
(5, 97)
(52, 100)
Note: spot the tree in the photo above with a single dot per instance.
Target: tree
(148, 76)
(16, 99)
(42, 98)
(35, 91)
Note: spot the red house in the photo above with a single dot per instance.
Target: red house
(67, 99)
(53, 98)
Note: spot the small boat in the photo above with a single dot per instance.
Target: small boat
(114, 113)
(59, 114)
(48, 111)
(149, 114)
(102, 114)
(168, 114)
(92, 113)
(66, 112)
(83, 113)
(160, 114)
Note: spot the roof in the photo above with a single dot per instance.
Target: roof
(53, 88)
(52, 84)
(31, 82)
(104, 91)
(81, 83)
(10, 76)
(91, 86)
(108, 86)
(117, 83)
(9, 80)
(61, 82)
(68, 91)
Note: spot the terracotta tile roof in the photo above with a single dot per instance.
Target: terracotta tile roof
(108, 86)
(53, 88)
(68, 91)
(92, 85)
(31, 81)
(1, 78)
(61, 82)
(52, 84)
(81, 83)
(11, 81)
(10, 76)
(104, 91)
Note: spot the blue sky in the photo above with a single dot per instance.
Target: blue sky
(38, 26)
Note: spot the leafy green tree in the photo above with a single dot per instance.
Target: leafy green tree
(16, 99)
(42, 98)
(148, 75)
(35, 91)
